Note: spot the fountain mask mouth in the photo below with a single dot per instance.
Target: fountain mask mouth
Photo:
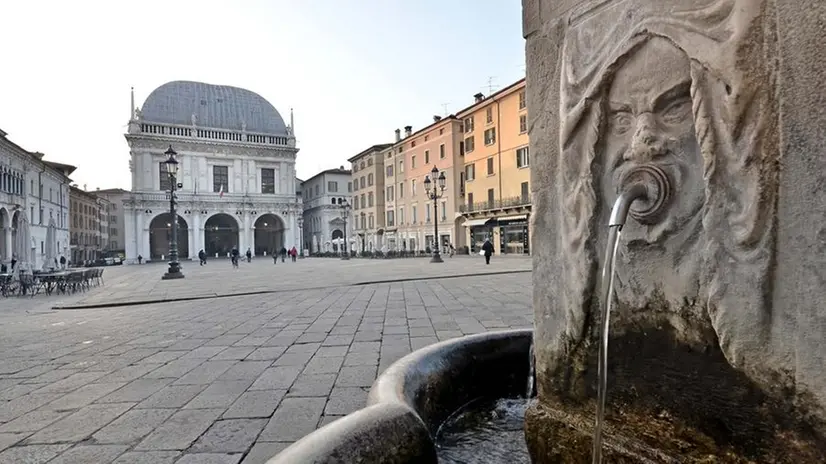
(645, 195)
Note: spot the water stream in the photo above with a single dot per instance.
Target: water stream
(608, 301)
(529, 391)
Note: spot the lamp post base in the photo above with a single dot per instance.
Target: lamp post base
(437, 258)
(174, 272)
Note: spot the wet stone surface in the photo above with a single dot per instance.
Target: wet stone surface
(232, 379)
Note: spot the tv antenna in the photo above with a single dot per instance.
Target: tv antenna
(444, 108)
(490, 84)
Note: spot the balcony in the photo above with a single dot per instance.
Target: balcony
(505, 203)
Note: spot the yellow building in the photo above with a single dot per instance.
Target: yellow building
(495, 183)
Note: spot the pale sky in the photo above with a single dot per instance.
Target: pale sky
(353, 70)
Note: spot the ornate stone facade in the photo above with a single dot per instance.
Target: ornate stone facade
(712, 346)
(236, 188)
(34, 207)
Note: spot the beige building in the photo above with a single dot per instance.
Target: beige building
(115, 217)
(409, 213)
(496, 201)
(368, 182)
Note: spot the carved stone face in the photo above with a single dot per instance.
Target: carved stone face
(649, 120)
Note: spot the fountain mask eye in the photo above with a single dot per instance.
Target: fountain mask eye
(645, 195)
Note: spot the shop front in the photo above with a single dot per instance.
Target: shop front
(513, 235)
(479, 230)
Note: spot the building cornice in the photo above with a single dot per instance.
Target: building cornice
(181, 144)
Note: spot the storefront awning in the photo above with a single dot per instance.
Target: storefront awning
(520, 217)
(475, 222)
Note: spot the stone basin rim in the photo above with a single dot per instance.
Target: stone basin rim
(412, 398)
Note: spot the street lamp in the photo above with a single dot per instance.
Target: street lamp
(300, 220)
(174, 271)
(434, 194)
(345, 211)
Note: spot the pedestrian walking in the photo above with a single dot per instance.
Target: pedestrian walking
(487, 249)
(202, 257)
(293, 253)
(234, 257)
(283, 254)
(249, 255)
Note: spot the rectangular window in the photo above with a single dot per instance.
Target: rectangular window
(490, 198)
(349, 187)
(361, 182)
(469, 145)
(363, 202)
(414, 217)
(489, 115)
(370, 179)
(468, 125)
(427, 157)
(220, 179)
(522, 100)
(523, 157)
(490, 136)
(389, 170)
(413, 162)
(317, 190)
(444, 211)
(427, 213)
(389, 193)
(401, 166)
(526, 193)
(490, 166)
(370, 221)
(413, 187)
(442, 151)
(401, 216)
(370, 200)
(470, 201)
(163, 176)
(523, 123)
(390, 221)
(401, 189)
(267, 180)
(332, 186)
(470, 172)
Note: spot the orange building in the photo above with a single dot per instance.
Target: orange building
(410, 215)
(495, 181)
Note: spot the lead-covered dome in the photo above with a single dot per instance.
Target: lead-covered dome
(215, 106)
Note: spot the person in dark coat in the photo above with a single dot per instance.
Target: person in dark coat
(283, 254)
(234, 257)
(487, 247)
(202, 257)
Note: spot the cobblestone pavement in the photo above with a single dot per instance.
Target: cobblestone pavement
(227, 380)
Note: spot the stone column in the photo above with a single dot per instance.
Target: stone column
(248, 233)
(715, 343)
(9, 243)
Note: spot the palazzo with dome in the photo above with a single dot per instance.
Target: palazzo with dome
(236, 177)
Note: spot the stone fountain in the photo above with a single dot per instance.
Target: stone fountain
(716, 345)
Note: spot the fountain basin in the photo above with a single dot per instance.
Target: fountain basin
(415, 396)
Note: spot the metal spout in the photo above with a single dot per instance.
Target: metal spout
(648, 189)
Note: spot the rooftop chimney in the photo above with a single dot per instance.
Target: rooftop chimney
(398, 135)
(479, 97)
(436, 118)
(408, 131)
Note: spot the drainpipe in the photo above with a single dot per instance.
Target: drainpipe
(499, 151)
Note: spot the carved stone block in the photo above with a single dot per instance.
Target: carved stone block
(716, 338)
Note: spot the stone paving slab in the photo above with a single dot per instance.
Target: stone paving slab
(129, 284)
(233, 379)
